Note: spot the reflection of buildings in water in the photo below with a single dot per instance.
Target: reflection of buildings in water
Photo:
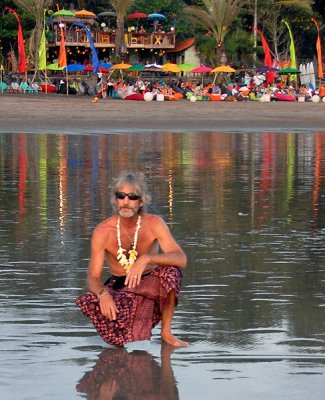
(118, 374)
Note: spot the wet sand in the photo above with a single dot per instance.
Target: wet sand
(77, 114)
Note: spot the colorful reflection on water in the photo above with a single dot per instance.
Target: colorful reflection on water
(247, 208)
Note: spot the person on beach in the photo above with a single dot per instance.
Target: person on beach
(145, 262)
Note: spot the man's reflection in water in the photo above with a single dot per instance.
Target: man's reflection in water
(119, 375)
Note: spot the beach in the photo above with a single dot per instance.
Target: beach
(78, 114)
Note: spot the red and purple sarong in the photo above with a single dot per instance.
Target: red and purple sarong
(139, 309)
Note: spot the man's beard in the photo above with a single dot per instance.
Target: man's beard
(127, 212)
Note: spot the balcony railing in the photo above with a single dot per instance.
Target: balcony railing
(153, 40)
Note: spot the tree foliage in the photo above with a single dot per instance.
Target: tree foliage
(35, 8)
(272, 25)
(121, 8)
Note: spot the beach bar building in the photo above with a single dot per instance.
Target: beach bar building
(140, 45)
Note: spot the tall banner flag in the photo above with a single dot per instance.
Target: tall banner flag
(94, 56)
(267, 56)
(42, 50)
(292, 47)
(319, 52)
(21, 45)
(62, 60)
(267, 52)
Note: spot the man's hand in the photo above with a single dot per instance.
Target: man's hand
(108, 307)
(133, 278)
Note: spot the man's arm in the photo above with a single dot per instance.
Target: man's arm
(97, 256)
(171, 253)
(96, 263)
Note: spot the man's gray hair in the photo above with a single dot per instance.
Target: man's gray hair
(134, 179)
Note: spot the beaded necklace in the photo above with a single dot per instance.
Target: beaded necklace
(121, 257)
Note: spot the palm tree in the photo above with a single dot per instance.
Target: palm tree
(216, 16)
(35, 8)
(121, 8)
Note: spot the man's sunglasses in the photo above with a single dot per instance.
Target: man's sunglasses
(131, 196)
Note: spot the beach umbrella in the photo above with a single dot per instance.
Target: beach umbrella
(157, 17)
(90, 69)
(201, 69)
(153, 67)
(186, 67)
(63, 13)
(107, 14)
(264, 69)
(121, 65)
(288, 71)
(85, 14)
(103, 69)
(137, 15)
(170, 67)
(54, 67)
(105, 65)
(74, 67)
(136, 67)
(224, 69)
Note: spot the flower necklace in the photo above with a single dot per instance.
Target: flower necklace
(121, 257)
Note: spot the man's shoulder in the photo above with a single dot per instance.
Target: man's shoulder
(152, 217)
(106, 225)
(153, 221)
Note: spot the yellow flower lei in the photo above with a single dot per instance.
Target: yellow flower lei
(121, 257)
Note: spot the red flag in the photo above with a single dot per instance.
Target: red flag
(267, 52)
(21, 45)
(267, 56)
(319, 52)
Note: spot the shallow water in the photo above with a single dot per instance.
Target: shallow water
(248, 209)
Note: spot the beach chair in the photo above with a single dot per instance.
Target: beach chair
(14, 88)
(3, 87)
(35, 88)
(26, 88)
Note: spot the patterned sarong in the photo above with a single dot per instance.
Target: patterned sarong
(139, 309)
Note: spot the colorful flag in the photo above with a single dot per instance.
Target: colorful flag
(267, 52)
(42, 53)
(94, 56)
(62, 60)
(21, 44)
(319, 52)
(292, 47)
(42, 48)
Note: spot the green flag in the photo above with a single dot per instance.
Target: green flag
(42, 53)
(292, 48)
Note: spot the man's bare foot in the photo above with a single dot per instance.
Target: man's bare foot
(172, 340)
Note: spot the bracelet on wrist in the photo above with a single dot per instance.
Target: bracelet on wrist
(102, 293)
